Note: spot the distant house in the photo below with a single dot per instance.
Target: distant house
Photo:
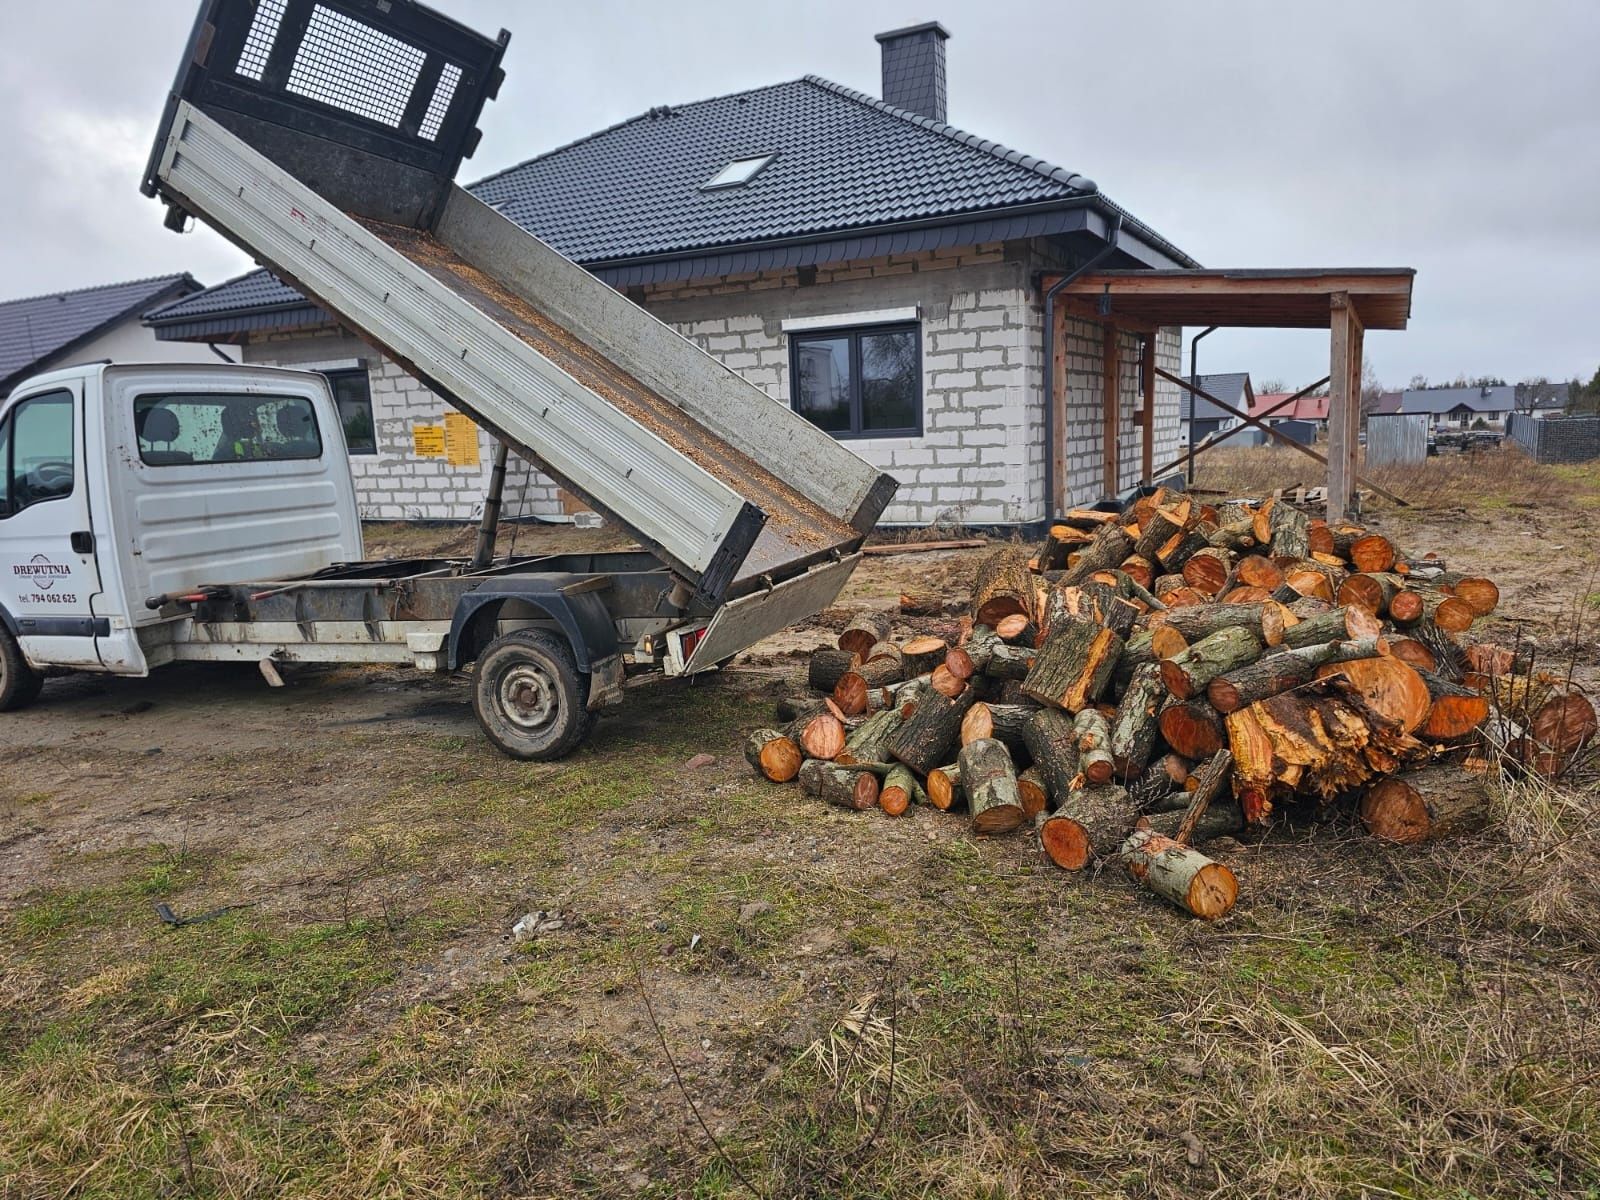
(1387, 404)
(1306, 408)
(1199, 419)
(1460, 406)
(65, 329)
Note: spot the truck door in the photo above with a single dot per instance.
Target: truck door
(47, 568)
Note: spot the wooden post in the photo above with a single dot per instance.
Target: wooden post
(1110, 415)
(1353, 439)
(1147, 425)
(1341, 432)
(1058, 402)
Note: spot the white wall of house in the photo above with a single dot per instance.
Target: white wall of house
(978, 461)
(130, 341)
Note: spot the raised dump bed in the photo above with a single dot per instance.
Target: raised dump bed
(323, 138)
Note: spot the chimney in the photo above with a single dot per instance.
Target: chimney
(913, 69)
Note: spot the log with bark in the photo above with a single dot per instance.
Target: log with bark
(1221, 819)
(1208, 570)
(1456, 711)
(943, 785)
(922, 654)
(1189, 673)
(1201, 621)
(929, 734)
(773, 754)
(869, 741)
(819, 734)
(1435, 801)
(1074, 666)
(1134, 728)
(1094, 746)
(1192, 728)
(845, 787)
(1110, 546)
(1052, 742)
(990, 781)
(988, 653)
(1279, 671)
(900, 790)
(864, 632)
(1035, 792)
(1180, 875)
(1391, 688)
(1002, 587)
(827, 666)
(1003, 722)
(1353, 623)
(1090, 822)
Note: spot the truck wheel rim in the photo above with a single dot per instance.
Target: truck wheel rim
(528, 697)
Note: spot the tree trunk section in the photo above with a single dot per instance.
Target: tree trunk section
(1002, 587)
(1279, 671)
(1091, 822)
(1035, 792)
(1456, 711)
(899, 791)
(1192, 728)
(1074, 666)
(1052, 741)
(925, 740)
(990, 782)
(1221, 819)
(1207, 570)
(1436, 801)
(1201, 621)
(1393, 690)
(1179, 875)
(845, 787)
(1212, 776)
(1134, 729)
(864, 632)
(989, 654)
(943, 786)
(922, 654)
(1188, 674)
(827, 666)
(1352, 623)
(819, 735)
(773, 754)
(1094, 746)
(1003, 722)
(1110, 546)
(869, 742)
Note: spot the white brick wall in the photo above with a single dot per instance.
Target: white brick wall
(979, 461)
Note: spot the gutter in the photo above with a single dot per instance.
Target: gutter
(1081, 269)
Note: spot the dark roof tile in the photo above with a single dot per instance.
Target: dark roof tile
(35, 329)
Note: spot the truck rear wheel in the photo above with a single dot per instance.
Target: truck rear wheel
(530, 697)
(20, 684)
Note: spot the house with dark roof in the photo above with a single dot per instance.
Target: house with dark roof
(859, 258)
(1200, 419)
(1460, 406)
(64, 329)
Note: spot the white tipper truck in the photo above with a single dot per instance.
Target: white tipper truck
(166, 513)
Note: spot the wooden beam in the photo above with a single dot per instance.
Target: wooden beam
(1147, 417)
(1110, 409)
(1089, 311)
(1341, 461)
(1058, 405)
(1207, 283)
(1270, 432)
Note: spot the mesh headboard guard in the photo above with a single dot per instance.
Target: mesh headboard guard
(373, 103)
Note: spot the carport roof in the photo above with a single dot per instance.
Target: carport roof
(1293, 298)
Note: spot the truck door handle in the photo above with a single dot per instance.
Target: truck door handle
(82, 542)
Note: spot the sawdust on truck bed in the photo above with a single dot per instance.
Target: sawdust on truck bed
(796, 527)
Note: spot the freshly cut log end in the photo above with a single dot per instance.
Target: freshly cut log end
(898, 791)
(1411, 652)
(1003, 587)
(1074, 665)
(1392, 689)
(1481, 595)
(1258, 571)
(1207, 571)
(1015, 628)
(843, 787)
(1564, 724)
(1192, 728)
(1436, 801)
(943, 786)
(1064, 841)
(1180, 875)
(1188, 674)
(864, 632)
(1035, 793)
(1374, 552)
(821, 735)
(1456, 712)
(774, 755)
(1094, 746)
(827, 666)
(1167, 642)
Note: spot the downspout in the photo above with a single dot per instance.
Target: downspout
(1194, 378)
(1094, 261)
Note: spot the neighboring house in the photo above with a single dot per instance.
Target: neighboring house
(1311, 409)
(1460, 406)
(1200, 419)
(66, 329)
(857, 258)
(1387, 404)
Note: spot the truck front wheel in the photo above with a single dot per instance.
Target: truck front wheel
(20, 684)
(530, 697)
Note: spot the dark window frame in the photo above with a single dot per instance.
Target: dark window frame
(260, 397)
(854, 334)
(7, 467)
(333, 376)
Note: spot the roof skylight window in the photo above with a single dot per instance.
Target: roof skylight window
(737, 173)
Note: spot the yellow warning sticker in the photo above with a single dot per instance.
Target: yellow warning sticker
(427, 441)
(460, 440)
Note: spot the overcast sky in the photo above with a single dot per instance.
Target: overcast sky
(1460, 138)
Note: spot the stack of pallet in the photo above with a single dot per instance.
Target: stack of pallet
(1151, 679)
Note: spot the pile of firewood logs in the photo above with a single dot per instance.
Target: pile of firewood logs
(1174, 673)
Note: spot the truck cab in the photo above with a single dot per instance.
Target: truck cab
(119, 483)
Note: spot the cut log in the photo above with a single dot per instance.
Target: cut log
(1372, 552)
(927, 736)
(1280, 671)
(1207, 570)
(887, 652)
(1351, 623)
(1207, 784)
(1003, 722)
(1167, 642)
(773, 754)
(1016, 628)
(845, 787)
(1303, 580)
(899, 791)
(1405, 607)
(1002, 587)
(1052, 742)
(1180, 875)
(869, 741)
(1094, 746)
(1157, 530)
(1034, 791)
(958, 663)
(1479, 594)
(1222, 819)
(1139, 569)
(1074, 665)
(1319, 537)
(1435, 801)
(1192, 728)
(943, 786)
(1290, 531)
(988, 654)
(1246, 595)
(990, 782)
(1175, 554)
(1187, 674)
(864, 632)
(1456, 711)
(791, 708)
(1058, 543)
(819, 735)
(1371, 592)
(1089, 823)
(1200, 622)
(922, 606)
(1392, 689)
(1258, 571)
(1564, 724)
(827, 666)
(945, 683)
(1110, 546)
(1134, 729)
(1411, 652)
(922, 654)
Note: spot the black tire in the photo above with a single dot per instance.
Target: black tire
(529, 696)
(20, 684)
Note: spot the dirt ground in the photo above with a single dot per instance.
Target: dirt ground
(731, 989)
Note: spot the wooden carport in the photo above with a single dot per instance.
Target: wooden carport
(1345, 302)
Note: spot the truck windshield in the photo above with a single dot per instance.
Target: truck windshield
(180, 429)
